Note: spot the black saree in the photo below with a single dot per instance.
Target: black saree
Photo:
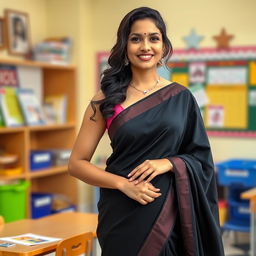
(183, 221)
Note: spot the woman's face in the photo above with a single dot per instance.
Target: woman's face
(145, 45)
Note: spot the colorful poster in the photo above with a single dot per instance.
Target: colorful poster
(227, 75)
(199, 94)
(215, 116)
(197, 72)
(234, 100)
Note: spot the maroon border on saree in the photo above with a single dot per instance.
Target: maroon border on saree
(161, 229)
(184, 200)
(143, 105)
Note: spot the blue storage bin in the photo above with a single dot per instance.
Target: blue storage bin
(40, 159)
(237, 171)
(235, 191)
(239, 210)
(40, 205)
(237, 225)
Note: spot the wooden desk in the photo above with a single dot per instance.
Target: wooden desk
(251, 195)
(61, 225)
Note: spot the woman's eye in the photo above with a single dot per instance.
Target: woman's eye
(135, 39)
(154, 38)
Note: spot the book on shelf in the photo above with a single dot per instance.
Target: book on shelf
(55, 109)
(30, 106)
(10, 107)
(8, 76)
(53, 50)
(1, 119)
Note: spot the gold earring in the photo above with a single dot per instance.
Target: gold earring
(126, 61)
(160, 62)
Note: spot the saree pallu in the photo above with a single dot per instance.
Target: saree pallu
(183, 221)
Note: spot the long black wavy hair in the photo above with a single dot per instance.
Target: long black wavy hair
(118, 76)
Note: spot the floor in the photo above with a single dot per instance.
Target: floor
(236, 244)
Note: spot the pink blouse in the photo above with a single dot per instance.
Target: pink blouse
(118, 108)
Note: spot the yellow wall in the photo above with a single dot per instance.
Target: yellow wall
(207, 17)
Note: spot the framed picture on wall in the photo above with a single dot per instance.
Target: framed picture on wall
(18, 32)
(2, 34)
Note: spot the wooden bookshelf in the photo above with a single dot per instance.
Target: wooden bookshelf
(30, 63)
(50, 171)
(57, 79)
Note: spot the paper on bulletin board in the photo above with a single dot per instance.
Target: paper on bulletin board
(227, 75)
(181, 78)
(234, 100)
(252, 97)
(252, 76)
(200, 95)
(197, 72)
(215, 116)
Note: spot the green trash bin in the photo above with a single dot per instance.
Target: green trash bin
(13, 201)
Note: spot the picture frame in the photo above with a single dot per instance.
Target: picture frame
(2, 34)
(18, 32)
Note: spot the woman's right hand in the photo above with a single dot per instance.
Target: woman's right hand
(143, 193)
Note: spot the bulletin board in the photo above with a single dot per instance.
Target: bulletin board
(222, 81)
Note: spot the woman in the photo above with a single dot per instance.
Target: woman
(158, 192)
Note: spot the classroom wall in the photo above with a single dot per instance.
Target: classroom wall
(207, 17)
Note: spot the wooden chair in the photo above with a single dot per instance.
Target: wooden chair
(76, 245)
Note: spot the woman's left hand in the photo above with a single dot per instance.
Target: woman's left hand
(149, 169)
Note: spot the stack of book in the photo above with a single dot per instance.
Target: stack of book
(53, 50)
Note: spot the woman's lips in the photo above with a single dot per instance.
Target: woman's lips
(145, 57)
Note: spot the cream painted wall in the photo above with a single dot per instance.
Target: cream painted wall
(238, 16)
(207, 17)
(37, 17)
